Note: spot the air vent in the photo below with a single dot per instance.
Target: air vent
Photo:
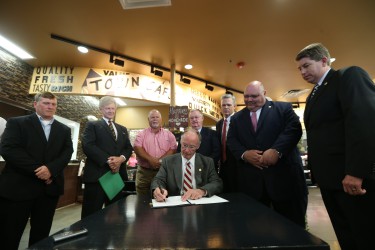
(136, 4)
(295, 93)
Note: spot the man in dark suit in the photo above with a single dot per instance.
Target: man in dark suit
(227, 164)
(171, 176)
(36, 149)
(263, 138)
(210, 144)
(340, 121)
(107, 149)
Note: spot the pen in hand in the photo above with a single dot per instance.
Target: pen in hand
(161, 191)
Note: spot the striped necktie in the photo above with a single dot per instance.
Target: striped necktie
(188, 181)
(254, 120)
(112, 129)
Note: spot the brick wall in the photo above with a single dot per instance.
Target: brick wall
(15, 78)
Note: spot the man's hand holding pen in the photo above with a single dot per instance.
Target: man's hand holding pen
(160, 194)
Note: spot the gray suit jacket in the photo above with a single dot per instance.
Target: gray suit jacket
(170, 175)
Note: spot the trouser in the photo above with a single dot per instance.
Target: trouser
(143, 180)
(352, 218)
(94, 198)
(14, 216)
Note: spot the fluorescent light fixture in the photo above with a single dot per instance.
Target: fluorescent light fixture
(82, 49)
(120, 102)
(14, 49)
(91, 118)
(135, 4)
(188, 66)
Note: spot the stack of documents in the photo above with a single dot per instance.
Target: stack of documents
(174, 201)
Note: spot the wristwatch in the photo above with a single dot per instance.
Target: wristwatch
(279, 153)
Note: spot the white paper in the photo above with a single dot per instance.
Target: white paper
(173, 201)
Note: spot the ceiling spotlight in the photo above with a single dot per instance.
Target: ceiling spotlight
(82, 49)
(156, 72)
(116, 61)
(188, 66)
(209, 87)
(185, 80)
(228, 92)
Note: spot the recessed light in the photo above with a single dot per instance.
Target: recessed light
(332, 59)
(188, 66)
(82, 49)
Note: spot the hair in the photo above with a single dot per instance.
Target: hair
(191, 130)
(193, 110)
(41, 95)
(152, 111)
(316, 52)
(106, 100)
(227, 96)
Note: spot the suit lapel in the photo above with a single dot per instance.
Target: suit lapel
(177, 161)
(198, 165)
(266, 109)
(106, 127)
(38, 127)
(310, 102)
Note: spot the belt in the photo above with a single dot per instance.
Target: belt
(149, 169)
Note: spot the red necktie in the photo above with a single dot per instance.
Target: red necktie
(224, 141)
(188, 181)
(254, 120)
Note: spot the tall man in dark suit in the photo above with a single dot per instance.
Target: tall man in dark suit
(170, 178)
(107, 149)
(36, 149)
(263, 138)
(227, 164)
(340, 121)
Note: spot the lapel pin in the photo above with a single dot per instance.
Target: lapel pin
(325, 83)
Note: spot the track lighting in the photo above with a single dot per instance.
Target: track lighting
(228, 92)
(116, 61)
(185, 80)
(209, 87)
(156, 72)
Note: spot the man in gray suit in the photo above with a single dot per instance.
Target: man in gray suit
(171, 176)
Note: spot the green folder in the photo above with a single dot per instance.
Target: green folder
(111, 183)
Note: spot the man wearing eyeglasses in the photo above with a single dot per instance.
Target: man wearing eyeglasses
(171, 179)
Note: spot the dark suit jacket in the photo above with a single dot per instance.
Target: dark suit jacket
(170, 175)
(340, 122)
(98, 144)
(219, 128)
(25, 148)
(210, 145)
(278, 128)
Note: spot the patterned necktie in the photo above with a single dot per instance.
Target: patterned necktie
(254, 120)
(112, 129)
(224, 141)
(188, 181)
(314, 90)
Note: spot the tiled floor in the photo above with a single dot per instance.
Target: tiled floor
(317, 217)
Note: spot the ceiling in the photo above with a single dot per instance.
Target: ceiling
(212, 35)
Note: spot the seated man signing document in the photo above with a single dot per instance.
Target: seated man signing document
(188, 173)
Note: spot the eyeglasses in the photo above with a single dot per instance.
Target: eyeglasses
(191, 147)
